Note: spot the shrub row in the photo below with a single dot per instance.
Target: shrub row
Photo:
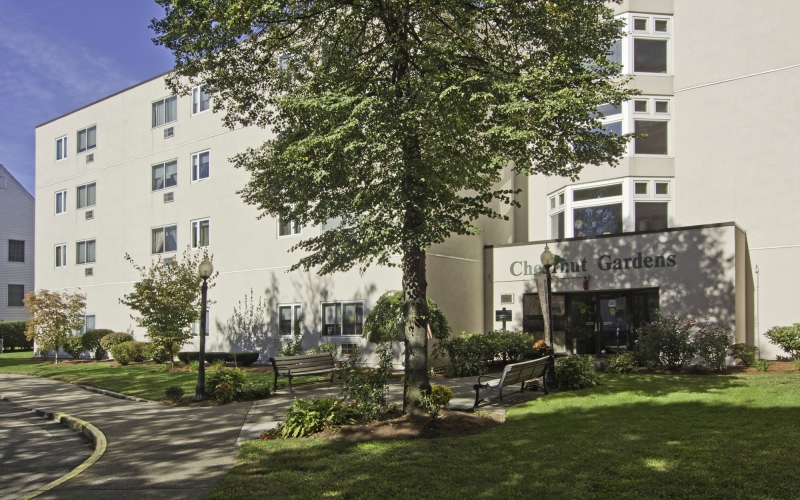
(240, 358)
(470, 354)
(13, 335)
(672, 342)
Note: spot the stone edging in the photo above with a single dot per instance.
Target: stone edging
(113, 394)
(88, 430)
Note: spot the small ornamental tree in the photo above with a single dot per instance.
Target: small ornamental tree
(54, 316)
(787, 337)
(167, 298)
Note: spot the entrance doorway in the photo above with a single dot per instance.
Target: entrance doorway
(597, 323)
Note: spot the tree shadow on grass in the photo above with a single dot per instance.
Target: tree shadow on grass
(615, 445)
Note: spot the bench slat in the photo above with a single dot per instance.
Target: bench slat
(302, 357)
(327, 362)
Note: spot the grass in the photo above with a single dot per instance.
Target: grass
(144, 381)
(634, 437)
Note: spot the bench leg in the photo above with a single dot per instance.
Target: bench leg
(290, 382)
(544, 385)
(477, 397)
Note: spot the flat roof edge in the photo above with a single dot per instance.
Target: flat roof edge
(634, 233)
(106, 97)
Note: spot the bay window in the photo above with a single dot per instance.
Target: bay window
(646, 48)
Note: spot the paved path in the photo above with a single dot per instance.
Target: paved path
(156, 451)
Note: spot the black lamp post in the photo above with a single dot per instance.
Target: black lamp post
(547, 262)
(205, 270)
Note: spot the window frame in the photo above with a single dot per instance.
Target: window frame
(60, 251)
(199, 90)
(293, 306)
(78, 196)
(85, 243)
(164, 100)
(9, 251)
(340, 325)
(163, 164)
(295, 229)
(651, 115)
(8, 295)
(85, 318)
(196, 223)
(59, 148)
(63, 206)
(164, 228)
(78, 149)
(650, 33)
(197, 155)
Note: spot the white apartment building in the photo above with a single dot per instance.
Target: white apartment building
(695, 220)
(17, 239)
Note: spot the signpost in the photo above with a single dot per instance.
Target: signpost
(502, 315)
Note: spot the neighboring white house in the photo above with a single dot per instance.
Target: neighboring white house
(17, 209)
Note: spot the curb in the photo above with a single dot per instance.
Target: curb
(88, 430)
(113, 394)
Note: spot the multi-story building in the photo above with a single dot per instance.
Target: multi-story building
(681, 225)
(17, 239)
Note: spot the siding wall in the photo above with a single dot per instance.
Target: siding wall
(16, 223)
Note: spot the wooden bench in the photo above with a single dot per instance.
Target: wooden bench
(305, 364)
(517, 373)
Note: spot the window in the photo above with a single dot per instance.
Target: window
(200, 166)
(342, 318)
(61, 202)
(61, 255)
(651, 116)
(165, 175)
(196, 324)
(640, 106)
(597, 192)
(16, 293)
(61, 148)
(289, 228)
(289, 317)
(348, 349)
(611, 118)
(200, 236)
(594, 221)
(640, 188)
(87, 195)
(651, 216)
(16, 251)
(165, 239)
(165, 111)
(557, 226)
(87, 139)
(650, 40)
(85, 252)
(88, 324)
(201, 101)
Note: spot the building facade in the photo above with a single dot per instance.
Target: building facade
(694, 220)
(17, 239)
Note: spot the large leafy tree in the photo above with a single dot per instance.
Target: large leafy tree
(54, 317)
(397, 117)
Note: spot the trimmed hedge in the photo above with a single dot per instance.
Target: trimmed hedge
(91, 342)
(111, 339)
(125, 352)
(13, 335)
(240, 358)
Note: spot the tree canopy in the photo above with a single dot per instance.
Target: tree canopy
(54, 317)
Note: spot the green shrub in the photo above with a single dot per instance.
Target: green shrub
(365, 388)
(576, 372)
(436, 399)
(193, 365)
(383, 322)
(713, 343)
(159, 354)
(112, 339)
(13, 335)
(787, 337)
(308, 416)
(323, 348)
(125, 352)
(761, 365)
(667, 342)
(622, 363)
(228, 385)
(468, 354)
(74, 346)
(507, 345)
(91, 343)
(747, 353)
(173, 393)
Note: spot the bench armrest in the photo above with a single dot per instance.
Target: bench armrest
(485, 376)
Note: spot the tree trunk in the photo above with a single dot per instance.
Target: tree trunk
(415, 311)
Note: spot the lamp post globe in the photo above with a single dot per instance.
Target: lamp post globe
(547, 257)
(204, 270)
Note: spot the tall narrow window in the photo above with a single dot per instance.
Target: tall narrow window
(16, 294)
(16, 250)
(61, 255)
(165, 111)
(87, 139)
(200, 166)
(289, 318)
(165, 239)
(61, 202)
(200, 233)
(61, 148)
(201, 101)
(87, 195)
(165, 175)
(85, 252)
(88, 324)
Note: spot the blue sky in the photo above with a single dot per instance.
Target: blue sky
(58, 55)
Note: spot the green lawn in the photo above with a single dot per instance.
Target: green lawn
(144, 381)
(634, 437)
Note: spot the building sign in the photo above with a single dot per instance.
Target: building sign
(502, 315)
(604, 263)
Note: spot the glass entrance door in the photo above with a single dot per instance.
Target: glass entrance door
(582, 324)
(613, 332)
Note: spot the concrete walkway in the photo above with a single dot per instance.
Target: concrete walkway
(157, 451)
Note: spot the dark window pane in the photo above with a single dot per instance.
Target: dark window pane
(285, 314)
(662, 187)
(615, 54)
(656, 142)
(171, 238)
(15, 295)
(651, 216)
(285, 228)
(597, 192)
(91, 194)
(640, 188)
(609, 110)
(91, 137)
(171, 174)
(649, 56)
(16, 251)
(640, 24)
(661, 25)
(640, 106)
(615, 127)
(662, 106)
(594, 221)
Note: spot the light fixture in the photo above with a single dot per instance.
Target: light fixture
(547, 257)
(205, 269)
